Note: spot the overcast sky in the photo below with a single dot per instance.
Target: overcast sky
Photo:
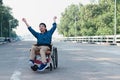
(37, 11)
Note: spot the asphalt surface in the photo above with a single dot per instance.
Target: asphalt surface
(76, 61)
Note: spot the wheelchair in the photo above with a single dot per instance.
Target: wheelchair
(51, 58)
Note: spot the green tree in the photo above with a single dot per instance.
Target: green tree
(7, 21)
(67, 22)
(92, 19)
(1, 2)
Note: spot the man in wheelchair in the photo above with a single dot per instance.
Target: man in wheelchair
(43, 42)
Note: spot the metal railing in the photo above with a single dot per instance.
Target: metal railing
(94, 39)
(4, 40)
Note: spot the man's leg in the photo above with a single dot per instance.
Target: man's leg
(32, 55)
(43, 57)
(42, 53)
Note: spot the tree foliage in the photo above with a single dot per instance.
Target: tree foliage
(7, 21)
(90, 20)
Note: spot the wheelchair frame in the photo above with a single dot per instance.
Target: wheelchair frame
(52, 60)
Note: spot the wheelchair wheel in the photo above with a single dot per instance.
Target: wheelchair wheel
(50, 67)
(55, 58)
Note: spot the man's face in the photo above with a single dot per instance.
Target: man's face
(42, 28)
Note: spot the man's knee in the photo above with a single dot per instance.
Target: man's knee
(34, 47)
(43, 49)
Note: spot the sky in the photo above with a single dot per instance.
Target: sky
(37, 11)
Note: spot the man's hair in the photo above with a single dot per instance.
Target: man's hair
(42, 24)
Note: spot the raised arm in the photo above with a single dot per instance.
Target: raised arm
(54, 25)
(25, 21)
(29, 27)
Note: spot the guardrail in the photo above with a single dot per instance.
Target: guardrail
(4, 40)
(94, 39)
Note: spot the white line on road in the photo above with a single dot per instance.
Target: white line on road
(16, 75)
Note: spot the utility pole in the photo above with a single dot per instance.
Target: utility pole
(1, 27)
(10, 21)
(75, 26)
(1, 19)
(115, 24)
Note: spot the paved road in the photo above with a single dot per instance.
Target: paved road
(76, 62)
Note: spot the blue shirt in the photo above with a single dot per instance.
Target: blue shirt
(43, 38)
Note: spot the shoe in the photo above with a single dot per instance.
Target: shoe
(34, 68)
(43, 67)
(31, 62)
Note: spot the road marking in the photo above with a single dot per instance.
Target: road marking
(16, 75)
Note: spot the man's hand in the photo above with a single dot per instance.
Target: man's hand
(25, 21)
(54, 19)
